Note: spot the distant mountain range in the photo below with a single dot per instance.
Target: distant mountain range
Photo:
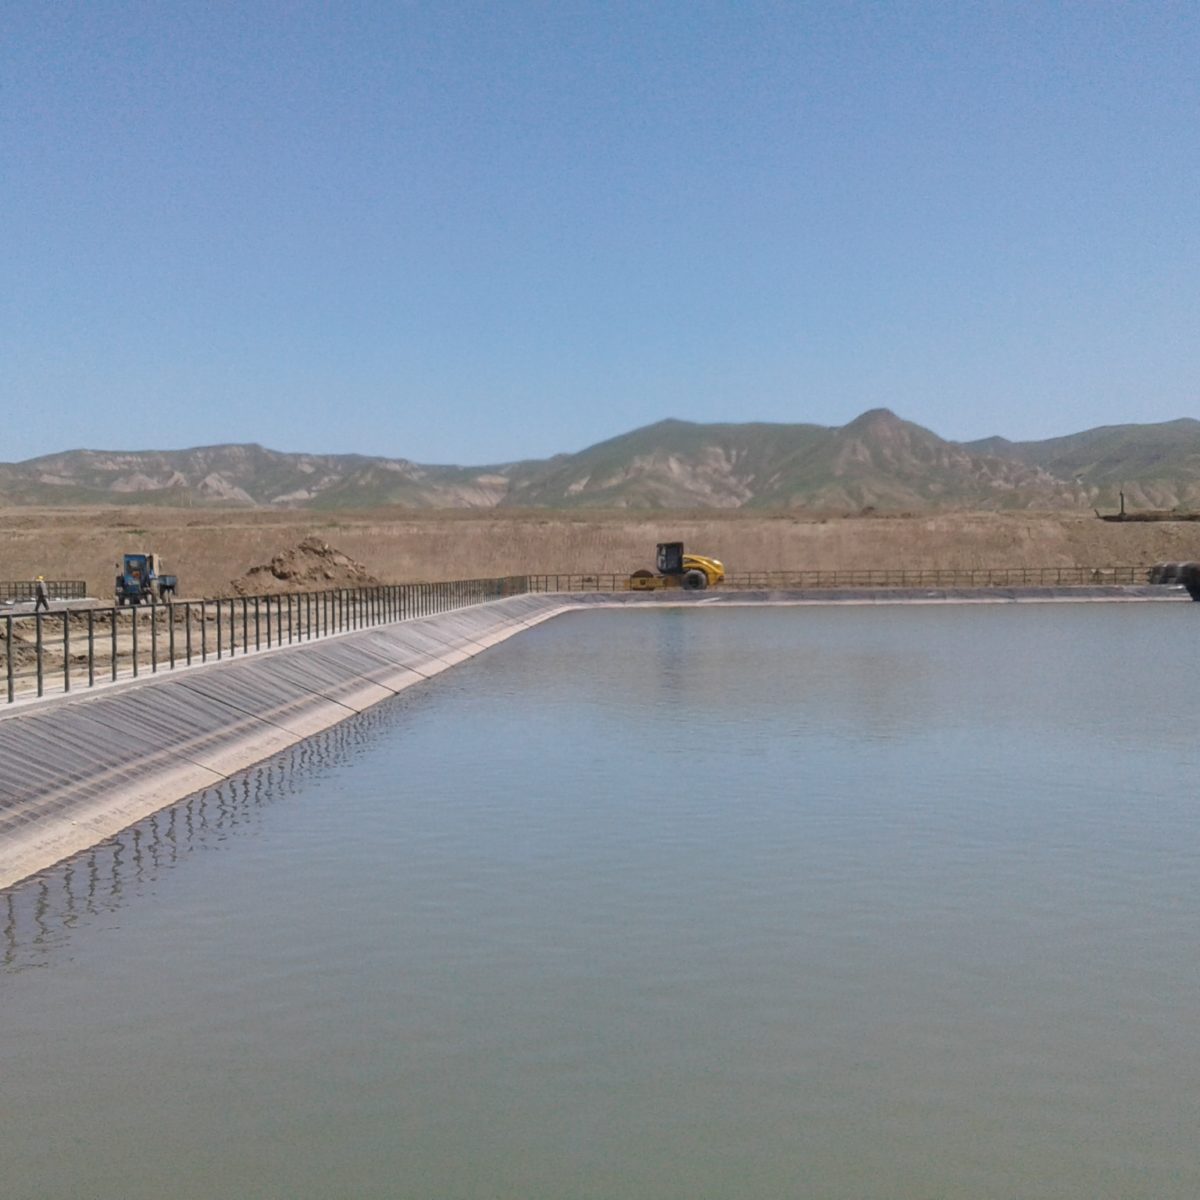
(876, 461)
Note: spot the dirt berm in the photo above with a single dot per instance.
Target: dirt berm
(207, 549)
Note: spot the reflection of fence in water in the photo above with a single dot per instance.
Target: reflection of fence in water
(37, 916)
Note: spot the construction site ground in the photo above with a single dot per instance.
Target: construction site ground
(243, 551)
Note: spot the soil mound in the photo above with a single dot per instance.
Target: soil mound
(310, 566)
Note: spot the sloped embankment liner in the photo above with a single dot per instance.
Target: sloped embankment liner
(77, 769)
(74, 770)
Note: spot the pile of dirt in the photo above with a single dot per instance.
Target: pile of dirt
(313, 565)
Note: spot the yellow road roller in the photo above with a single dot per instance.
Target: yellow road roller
(677, 569)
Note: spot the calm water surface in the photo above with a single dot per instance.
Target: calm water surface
(849, 902)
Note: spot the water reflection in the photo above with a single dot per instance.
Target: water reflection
(38, 915)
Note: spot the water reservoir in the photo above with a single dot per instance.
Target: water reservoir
(826, 902)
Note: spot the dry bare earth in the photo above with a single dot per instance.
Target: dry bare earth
(209, 550)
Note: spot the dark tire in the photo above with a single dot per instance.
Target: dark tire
(642, 574)
(694, 581)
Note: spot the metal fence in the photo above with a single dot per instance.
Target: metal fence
(81, 647)
(57, 589)
(943, 578)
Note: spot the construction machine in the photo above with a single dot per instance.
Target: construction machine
(677, 569)
(140, 577)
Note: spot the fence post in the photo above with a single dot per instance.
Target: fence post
(134, 614)
(66, 650)
(187, 629)
(171, 632)
(40, 684)
(113, 635)
(8, 655)
(204, 631)
(91, 647)
(153, 639)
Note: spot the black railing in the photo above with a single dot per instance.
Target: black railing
(81, 647)
(67, 649)
(56, 589)
(816, 578)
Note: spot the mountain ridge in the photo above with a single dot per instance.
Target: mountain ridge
(876, 461)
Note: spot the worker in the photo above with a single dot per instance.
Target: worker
(42, 594)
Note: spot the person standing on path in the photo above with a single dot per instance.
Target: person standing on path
(42, 594)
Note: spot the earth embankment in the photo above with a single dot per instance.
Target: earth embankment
(210, 549)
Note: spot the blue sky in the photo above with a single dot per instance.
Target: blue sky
(479, 232)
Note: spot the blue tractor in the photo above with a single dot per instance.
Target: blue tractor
(140, 578)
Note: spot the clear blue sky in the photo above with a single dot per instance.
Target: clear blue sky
(478, 232)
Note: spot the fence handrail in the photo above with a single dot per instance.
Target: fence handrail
(81, 646)
(68, 645)
(819, 577)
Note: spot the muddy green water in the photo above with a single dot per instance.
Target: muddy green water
(848, 902)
